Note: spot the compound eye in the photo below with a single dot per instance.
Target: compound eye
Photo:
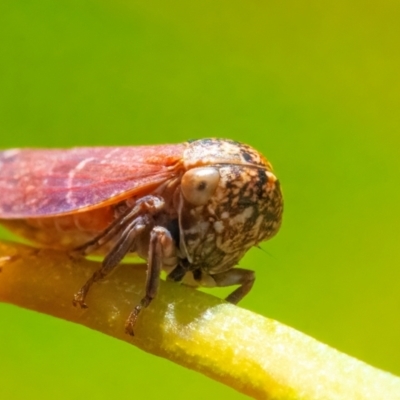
(199, 184)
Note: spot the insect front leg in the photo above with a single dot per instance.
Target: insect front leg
(127, 229)
(162, 253)
(236, 276)
(113, 258)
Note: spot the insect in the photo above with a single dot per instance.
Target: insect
(192, 209)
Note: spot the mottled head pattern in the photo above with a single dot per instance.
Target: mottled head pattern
(222, 151)
(244, 209)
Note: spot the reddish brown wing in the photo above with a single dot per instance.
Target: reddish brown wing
(44, 182)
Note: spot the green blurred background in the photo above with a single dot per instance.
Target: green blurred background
(313, 85)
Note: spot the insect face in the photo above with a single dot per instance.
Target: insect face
(241, 206)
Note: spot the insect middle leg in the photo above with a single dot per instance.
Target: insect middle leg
(162, 253)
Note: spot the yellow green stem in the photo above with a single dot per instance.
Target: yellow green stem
(252, 354)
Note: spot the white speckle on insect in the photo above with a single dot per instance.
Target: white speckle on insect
(71, 176)
(218, 226)
(11, 153)
(109, 155)
(242, 217)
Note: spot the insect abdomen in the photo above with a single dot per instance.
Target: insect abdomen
(62, 232)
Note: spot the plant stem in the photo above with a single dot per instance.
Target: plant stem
(254, 355)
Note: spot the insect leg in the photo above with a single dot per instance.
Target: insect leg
(177, 274)
(118, 252)
(236, 276)
(151, 204)
(162, 251)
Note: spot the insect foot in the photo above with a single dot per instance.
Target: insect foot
(79, 300)
(131, 321)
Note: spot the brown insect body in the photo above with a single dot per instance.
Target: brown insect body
(192, 209)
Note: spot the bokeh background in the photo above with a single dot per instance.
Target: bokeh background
(313, 85)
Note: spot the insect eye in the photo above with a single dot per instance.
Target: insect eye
(199, 184)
